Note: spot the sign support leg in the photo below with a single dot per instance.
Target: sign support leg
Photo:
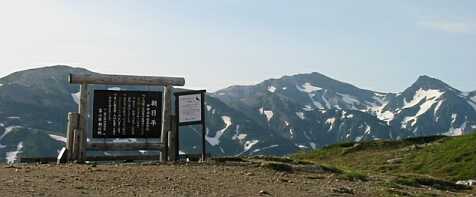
(166, 122)
(83, 113)
(204, 129)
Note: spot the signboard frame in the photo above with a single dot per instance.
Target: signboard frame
(177, 106)
(100, 102)
(202, 121)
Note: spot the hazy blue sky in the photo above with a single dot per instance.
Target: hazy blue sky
(380, 45)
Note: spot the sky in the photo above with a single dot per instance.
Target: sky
(373, 44)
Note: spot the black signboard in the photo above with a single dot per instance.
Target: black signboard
(127, 114)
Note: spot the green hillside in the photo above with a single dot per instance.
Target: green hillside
(448, 158)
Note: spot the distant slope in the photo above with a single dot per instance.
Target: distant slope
(34, 105)
(450, 158)
(277, 116)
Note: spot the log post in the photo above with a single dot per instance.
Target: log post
(166, 115)
(75, 151)
(72, 125)
(173, 143)
(83, 113)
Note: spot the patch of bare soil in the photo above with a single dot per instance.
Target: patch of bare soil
(212, 179)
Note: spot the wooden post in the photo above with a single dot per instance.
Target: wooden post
(75, 151)
(83, 113)
(166, 121)
(204, 130)
(173, 139)
(72, 125)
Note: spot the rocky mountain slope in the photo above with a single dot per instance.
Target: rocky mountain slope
(277, 116)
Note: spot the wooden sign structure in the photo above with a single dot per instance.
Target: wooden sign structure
(190, 110)
(122, 114)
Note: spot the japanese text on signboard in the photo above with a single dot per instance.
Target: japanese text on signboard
(127, 114)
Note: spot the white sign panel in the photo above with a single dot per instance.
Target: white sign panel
(190, 108)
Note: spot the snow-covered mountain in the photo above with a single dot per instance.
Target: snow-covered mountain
(432, 107)
(306, 105)
(277, 116)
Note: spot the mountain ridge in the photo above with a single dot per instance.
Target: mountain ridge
(275, 116)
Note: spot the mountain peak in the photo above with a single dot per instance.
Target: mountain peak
(427, 82)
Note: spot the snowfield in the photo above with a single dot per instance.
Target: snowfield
(58, 138)
(271, 89)
(215, 140)
(12, 156)
(308, 88)
(268, 114)
(76, 97)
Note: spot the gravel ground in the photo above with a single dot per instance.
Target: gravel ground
(176, 180)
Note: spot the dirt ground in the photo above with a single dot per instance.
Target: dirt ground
(148, 179)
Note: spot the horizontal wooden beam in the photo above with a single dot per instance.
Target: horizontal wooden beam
(124, 80)
(124, 146)
(92, 158)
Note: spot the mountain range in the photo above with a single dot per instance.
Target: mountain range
(276, 116)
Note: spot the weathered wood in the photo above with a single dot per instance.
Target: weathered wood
(124, 146)
(173, 139)
(75, 151)
(125, 80)
(91, 158)
(204, 130)
(166, 121)
(83, 112)
(72, 124)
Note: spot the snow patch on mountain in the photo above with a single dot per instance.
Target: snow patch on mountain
(249, 144)
(308, 88)
(268, 114)
(1, 85)
(215, 140)
(238, 136)
(328, 105)
(12, 156)
(331, 122)
(209, 108)
(286, 123)
(313, 145)
(351, 100)
(271, 89)
(456, 131)
(57, 138)
(424, 100)
(386, 116)
(76, 97)
(291, 132)
(429, 95)
(6, 132)
(453, 118)
(300, 115)
(307, 108)
(367, 130)
(265, 148)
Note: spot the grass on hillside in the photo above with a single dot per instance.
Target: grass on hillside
(448, 158)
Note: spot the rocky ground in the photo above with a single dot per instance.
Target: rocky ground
(216, 178)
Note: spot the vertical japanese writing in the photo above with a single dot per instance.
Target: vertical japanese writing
(126, 114)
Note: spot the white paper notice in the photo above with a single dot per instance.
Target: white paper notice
(190, 108)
